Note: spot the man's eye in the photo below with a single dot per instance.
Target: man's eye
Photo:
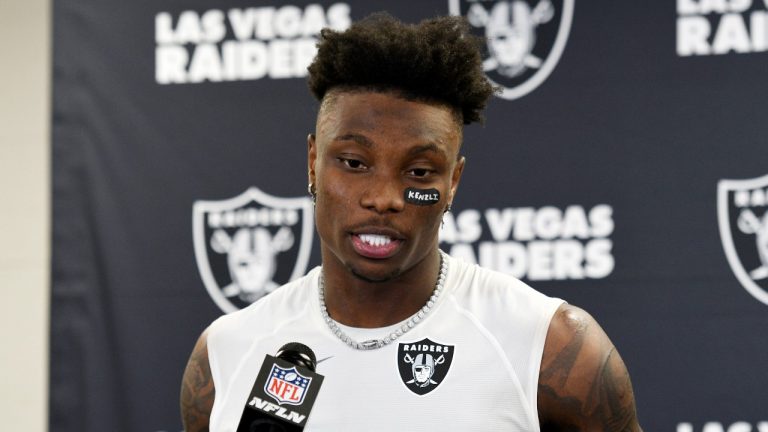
(419, 172)
(352, 163)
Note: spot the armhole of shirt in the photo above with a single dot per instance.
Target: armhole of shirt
(537, 351)
(214, 366)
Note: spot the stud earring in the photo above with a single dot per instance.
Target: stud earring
(312, 192)
(446, 210)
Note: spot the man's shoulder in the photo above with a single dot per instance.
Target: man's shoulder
(476, 283)
(504, 306)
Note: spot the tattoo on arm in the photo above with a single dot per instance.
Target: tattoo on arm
(611, 395)
(197, 391)
(583, 384)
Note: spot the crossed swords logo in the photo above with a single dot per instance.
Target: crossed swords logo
(749, 223)
(410, 360)
(509, 21)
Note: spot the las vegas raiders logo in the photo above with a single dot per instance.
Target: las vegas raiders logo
(424, 364)
(524, 39)
(742, 211)
(249, 245)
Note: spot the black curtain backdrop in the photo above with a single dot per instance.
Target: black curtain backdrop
(625, 169)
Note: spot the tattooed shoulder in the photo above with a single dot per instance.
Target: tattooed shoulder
(583, 382)
(197, 390)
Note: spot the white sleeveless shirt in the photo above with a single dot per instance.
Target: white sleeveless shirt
(483, 339)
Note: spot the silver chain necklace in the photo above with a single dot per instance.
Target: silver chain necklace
(407, 326)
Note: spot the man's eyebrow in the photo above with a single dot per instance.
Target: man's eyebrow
(364, 141)
(431, 147)
(360, 139)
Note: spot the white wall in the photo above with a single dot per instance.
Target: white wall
(25, 56)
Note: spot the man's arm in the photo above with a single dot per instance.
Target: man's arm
(197, 390)
(584, 385)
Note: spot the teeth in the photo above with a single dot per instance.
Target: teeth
(375, 240)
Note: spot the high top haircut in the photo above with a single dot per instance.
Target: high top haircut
(435, 61)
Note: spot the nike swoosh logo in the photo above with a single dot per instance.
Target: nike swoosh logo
(322, 360)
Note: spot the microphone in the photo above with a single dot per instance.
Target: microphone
(284, 392)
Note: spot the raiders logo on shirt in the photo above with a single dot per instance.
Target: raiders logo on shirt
(423, 365)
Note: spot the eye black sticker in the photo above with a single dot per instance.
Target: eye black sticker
(421, 197)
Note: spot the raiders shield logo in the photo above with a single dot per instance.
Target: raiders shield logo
(424, 364)
(524, 39)
(249, 245)
(742, 210)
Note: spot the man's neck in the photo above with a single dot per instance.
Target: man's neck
(351, 300)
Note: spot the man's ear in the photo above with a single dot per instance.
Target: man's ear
(456, 177)
(311, 157)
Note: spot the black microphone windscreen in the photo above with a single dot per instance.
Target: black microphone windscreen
(298, 354)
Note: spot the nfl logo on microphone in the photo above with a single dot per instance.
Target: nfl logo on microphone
(287, 386)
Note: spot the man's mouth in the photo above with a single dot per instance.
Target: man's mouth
(375, 239)
(376, 246)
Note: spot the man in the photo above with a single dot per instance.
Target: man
(384, 165)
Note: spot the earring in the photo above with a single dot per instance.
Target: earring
(312, 192)
(447, 209)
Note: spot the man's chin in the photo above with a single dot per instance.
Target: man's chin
(374, 277)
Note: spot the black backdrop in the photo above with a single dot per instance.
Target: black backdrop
(173, 132)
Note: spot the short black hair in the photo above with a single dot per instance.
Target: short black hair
(436, 60)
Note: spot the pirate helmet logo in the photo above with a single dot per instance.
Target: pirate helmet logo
(524, 39)
(249, 245)
(423, 365)
(742, 210)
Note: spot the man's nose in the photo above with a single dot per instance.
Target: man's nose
(383, 194)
